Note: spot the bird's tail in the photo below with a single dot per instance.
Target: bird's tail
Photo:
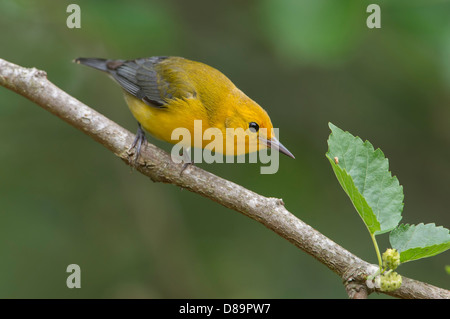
(96, 63)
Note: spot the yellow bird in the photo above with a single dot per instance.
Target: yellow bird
(166, 93)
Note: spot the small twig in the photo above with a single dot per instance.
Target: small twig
(157, 164)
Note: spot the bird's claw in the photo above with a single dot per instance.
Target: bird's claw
(185, 165)
(139, 140)
(186, 160)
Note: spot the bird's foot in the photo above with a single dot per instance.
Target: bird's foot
(138, 142)
(186, 160)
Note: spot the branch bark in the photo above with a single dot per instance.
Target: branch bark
(158, 166)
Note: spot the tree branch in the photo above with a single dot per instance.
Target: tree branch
(157, 164)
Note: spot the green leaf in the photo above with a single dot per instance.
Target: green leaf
(364, 175)
(358, 200)
(419, 241)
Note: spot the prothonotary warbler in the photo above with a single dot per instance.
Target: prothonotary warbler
(166, 93)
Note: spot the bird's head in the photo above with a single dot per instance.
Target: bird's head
(251, 123)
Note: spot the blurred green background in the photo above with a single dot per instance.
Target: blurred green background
(65, 199)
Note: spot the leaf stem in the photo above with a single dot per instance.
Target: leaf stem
(377, 250)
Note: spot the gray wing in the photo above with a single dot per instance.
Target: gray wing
(139, 78)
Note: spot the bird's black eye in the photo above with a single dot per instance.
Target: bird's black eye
(254, 127)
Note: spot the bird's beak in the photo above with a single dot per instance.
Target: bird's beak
(273, 143)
